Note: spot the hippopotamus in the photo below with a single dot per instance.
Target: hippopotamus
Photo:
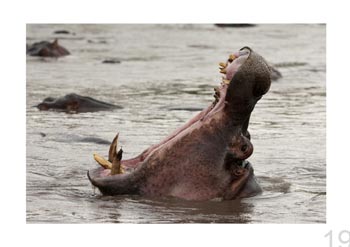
(74, 103)
(207, 157)
(47, 49)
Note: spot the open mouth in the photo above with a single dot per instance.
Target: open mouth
(114, 165)
(206, 157)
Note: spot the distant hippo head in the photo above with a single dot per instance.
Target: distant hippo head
(47, 49)
(74, 103)
(205, 158)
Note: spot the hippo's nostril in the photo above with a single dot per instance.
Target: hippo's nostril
(244, 148)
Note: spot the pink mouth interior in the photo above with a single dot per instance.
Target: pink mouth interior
(231, 69)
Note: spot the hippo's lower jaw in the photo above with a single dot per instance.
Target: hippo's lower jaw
(205, 158)
(243, 184)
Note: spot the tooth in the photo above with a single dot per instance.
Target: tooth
(113, 148)
(223, 64)
(223, 71)
(216, 97)
(115, 158)
(217, 92)
(116, 163)
(231, 58)
(102, 161)
(226, 81)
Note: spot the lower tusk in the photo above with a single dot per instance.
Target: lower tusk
(114, 159)
(113, 148)
(102, 161)
(116, 163)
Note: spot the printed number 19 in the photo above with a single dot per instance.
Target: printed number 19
(343, 237)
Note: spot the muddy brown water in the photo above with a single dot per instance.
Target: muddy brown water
(166, 73)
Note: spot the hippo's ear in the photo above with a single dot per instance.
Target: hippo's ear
(55, 43)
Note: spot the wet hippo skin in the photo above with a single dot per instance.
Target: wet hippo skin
(74, 103)
(205, 158)
(47, 49)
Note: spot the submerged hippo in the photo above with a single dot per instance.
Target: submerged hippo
(205, 158)
(47, 49)
(75, 103)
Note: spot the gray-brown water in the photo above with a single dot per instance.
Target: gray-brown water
(164, 71)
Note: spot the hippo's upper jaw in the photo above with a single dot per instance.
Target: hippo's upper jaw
(205, 158)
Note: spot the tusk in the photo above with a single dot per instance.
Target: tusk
(102, 161)
(113, 148)
(116, 163)
(114, 159)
